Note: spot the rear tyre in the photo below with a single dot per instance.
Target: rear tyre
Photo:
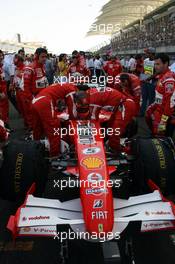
(24, 163)
(155, 160)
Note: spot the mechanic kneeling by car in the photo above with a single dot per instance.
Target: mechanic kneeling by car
(82, 105)
(45, 119)
(129, 84)
(89, 104)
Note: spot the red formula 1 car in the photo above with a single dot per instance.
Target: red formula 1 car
(110, 191)
(94, 192)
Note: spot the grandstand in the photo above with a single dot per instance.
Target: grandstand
(14, 46)
(156, 29)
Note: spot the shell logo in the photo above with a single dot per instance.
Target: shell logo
(92, 163)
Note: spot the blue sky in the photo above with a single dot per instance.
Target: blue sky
(61, 24)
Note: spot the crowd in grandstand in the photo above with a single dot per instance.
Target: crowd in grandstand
(155, 33)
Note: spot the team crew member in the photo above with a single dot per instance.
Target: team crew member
(76, 67)
(129, 85)
(162, 110)
(80, 56)
(112, 68)
(34, 79)
(4, 105)
(89, 105)
(44, 113)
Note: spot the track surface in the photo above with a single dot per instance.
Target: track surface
(152, 248)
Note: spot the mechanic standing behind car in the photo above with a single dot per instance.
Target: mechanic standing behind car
(80, 56)
(75, 67)
(34, 80)
(112, 69)
(163, 109)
